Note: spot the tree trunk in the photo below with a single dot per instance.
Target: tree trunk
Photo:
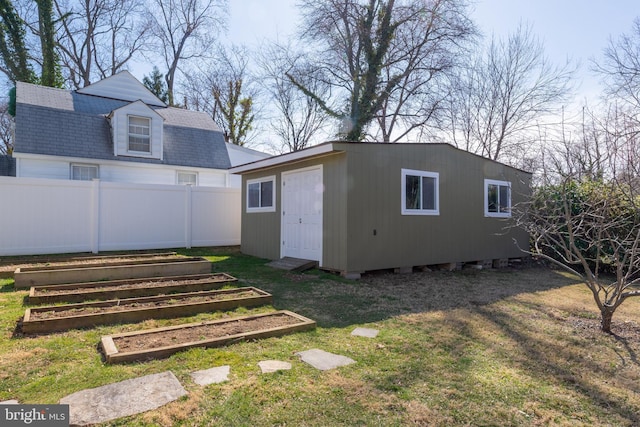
(605, 323)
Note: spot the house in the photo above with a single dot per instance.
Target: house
(357, 207)
(118, 131)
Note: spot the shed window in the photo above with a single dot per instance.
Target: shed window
(140, 134)
(420, 192)
(187, 178)
(261, 195)
(84, 172)
(497, 198)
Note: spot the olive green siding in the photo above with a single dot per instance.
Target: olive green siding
(260, 231)
(363, 227)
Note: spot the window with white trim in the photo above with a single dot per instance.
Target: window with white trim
(497, 198)
(261, 194)
(139, 134)
(81, 172)
(420, 192)
(187, 178)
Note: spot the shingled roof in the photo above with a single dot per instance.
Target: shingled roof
(66, 123)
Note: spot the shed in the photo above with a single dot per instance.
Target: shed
(355, 207)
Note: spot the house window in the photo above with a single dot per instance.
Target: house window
(497, 198)
(84, 172)
(187, 178)
(139, 134)
(420, 192)
(261, 195)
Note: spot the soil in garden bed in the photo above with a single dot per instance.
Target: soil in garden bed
(155, 283)
(124, 305)
(201, 333)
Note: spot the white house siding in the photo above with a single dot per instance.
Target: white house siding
(55, 167)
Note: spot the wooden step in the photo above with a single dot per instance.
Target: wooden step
(293, 264)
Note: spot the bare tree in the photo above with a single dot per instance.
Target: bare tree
(499, 99)
(591, 228)
(379, 56)
(6, 130)
(299, 118)
(185, 29)
(620, 67)
(225, 90)
(97, 38)
(585, 213)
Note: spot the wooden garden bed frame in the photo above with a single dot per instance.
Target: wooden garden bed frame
(113, 355)
(79, 292)
(88, 272)
(57, 324)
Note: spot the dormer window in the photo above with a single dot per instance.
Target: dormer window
(139, 134)
(137, 131)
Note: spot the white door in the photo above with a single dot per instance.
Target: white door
(302, 191)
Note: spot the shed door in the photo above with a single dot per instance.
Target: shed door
(302, 214)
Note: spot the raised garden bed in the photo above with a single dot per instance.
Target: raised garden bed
(70, 316)
(131, 288)
(8, 265)
(163, 342)
(112, 270)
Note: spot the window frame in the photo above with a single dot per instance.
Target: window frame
(403, 192)
(487, 183)
(261, 181)
(192, 173)
(83, 165)
(130, 134)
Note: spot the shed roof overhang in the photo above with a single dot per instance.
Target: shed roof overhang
(320, 150)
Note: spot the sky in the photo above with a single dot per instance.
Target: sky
(575, 30)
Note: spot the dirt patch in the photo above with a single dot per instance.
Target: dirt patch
(587, 328)
(137, 285)
(201, 333)
(125, 305)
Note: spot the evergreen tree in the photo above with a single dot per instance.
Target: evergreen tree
(155, 83)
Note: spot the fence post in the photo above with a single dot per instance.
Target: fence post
(188, 218)
(95, 216)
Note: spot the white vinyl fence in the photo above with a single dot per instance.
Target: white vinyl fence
(43, 216)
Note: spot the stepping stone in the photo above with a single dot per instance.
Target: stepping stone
(324, 360)
(10, 402)
(130, 397)
(215, 375)
(268, 366)
(365, 332)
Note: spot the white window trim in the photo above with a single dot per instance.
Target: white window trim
(488, 182)
(84, 165)
(403, 192)
(188, 173)
(140, 153)
(272, 208)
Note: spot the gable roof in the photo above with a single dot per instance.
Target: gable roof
(336, 147)
(66, 123)
(122, 86)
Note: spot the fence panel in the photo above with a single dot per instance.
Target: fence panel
(40, 216)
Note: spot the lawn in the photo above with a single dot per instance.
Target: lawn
(483, 348)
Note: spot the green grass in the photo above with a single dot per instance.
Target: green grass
(487, 348)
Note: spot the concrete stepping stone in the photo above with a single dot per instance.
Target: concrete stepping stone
(215, 375)
(324, 360)
(129, 397)
(268, 366)
(365, 332)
